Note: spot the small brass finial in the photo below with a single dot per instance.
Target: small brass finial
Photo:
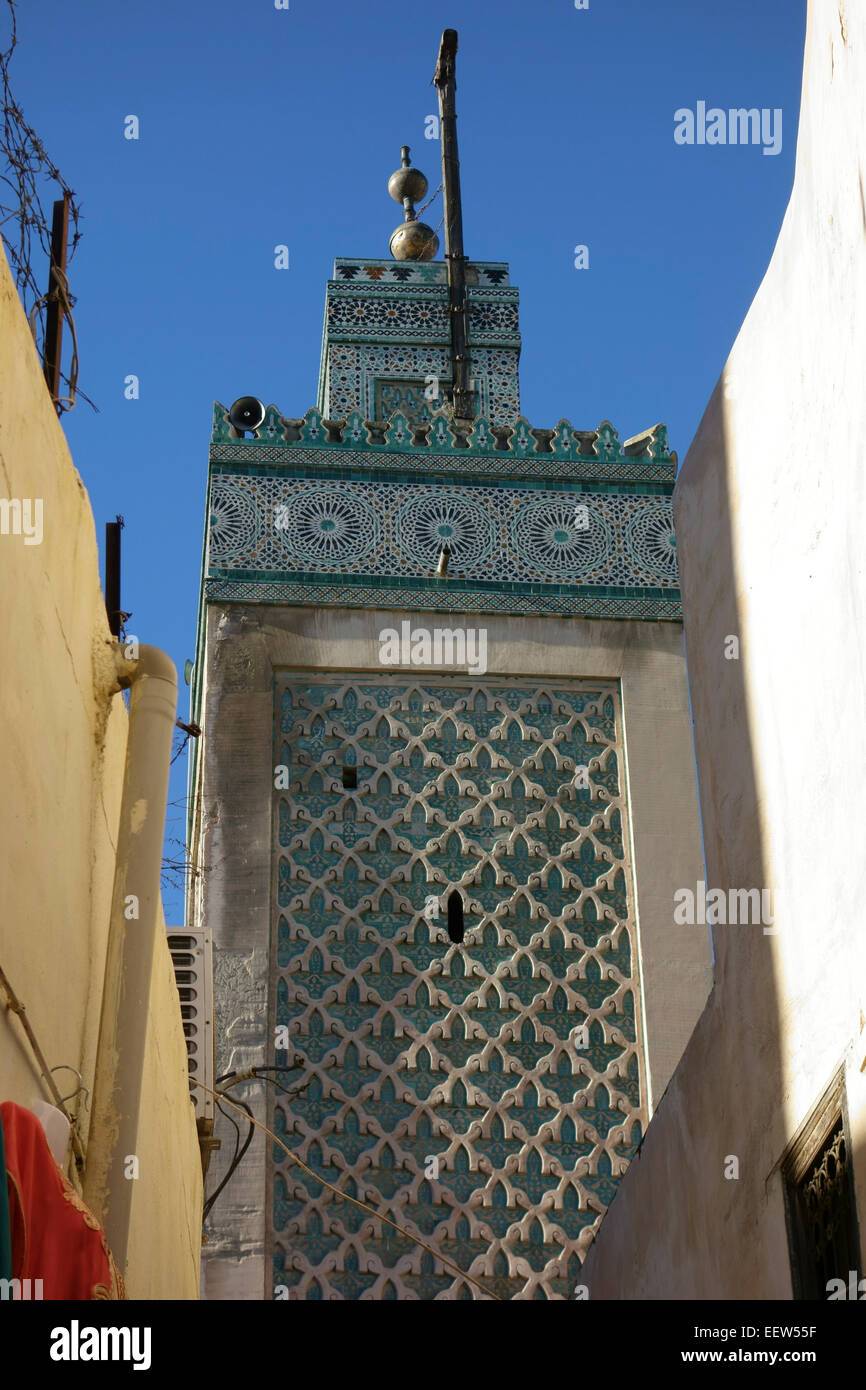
(412, 240)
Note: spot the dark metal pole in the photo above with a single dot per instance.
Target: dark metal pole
(54, 312)
(446, 84)
(112, 575)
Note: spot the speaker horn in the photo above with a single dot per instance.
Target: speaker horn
(247, 413)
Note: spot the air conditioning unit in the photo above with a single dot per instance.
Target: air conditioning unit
(192, 956)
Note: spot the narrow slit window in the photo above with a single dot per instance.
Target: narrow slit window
(350, 777)
(455, 916)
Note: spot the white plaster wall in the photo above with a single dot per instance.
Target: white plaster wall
(769, 511)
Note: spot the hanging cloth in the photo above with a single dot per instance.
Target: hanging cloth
(55, 1237)
(5, 1231)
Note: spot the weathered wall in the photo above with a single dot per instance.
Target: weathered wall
(769, 510)
(62, 750)
(243, 647)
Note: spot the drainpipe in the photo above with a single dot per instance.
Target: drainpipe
(135, 916)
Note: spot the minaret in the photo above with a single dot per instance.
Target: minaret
(439, 809)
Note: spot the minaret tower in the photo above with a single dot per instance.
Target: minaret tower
(442, 801)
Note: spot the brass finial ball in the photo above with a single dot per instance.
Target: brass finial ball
(407, 182)
(414, 241)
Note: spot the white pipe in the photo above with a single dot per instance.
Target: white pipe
(135, 916)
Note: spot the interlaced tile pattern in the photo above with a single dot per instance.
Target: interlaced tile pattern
(328, 526)
(352, 371)
(450, 1086)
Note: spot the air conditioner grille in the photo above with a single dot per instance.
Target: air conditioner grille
(192, 958)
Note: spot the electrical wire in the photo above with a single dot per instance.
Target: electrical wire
(295, 1090)
(251, 1073)
(285, 1090)
(231, 1119)
(239, 1153)
(206, 1209)
(232, 1166)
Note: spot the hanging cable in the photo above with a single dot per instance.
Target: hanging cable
(235, 1163)
(248, 1074)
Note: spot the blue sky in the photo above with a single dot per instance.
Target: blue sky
(261, 126)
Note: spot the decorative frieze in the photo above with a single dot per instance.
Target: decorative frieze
(316, 526)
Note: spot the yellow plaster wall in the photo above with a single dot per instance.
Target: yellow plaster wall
(62, 751)
(165, 1231)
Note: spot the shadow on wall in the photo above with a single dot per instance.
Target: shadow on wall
(771, 554)
(680, 1225)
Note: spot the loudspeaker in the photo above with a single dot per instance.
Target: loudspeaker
(247, 413)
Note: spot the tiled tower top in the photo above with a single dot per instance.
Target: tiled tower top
(351, 504)
(387, 340)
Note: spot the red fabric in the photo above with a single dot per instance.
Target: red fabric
(55, 1237)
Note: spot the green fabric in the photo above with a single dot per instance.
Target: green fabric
(5, 1231)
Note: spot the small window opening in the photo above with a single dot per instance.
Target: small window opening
(455, 916)
(350, 777)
